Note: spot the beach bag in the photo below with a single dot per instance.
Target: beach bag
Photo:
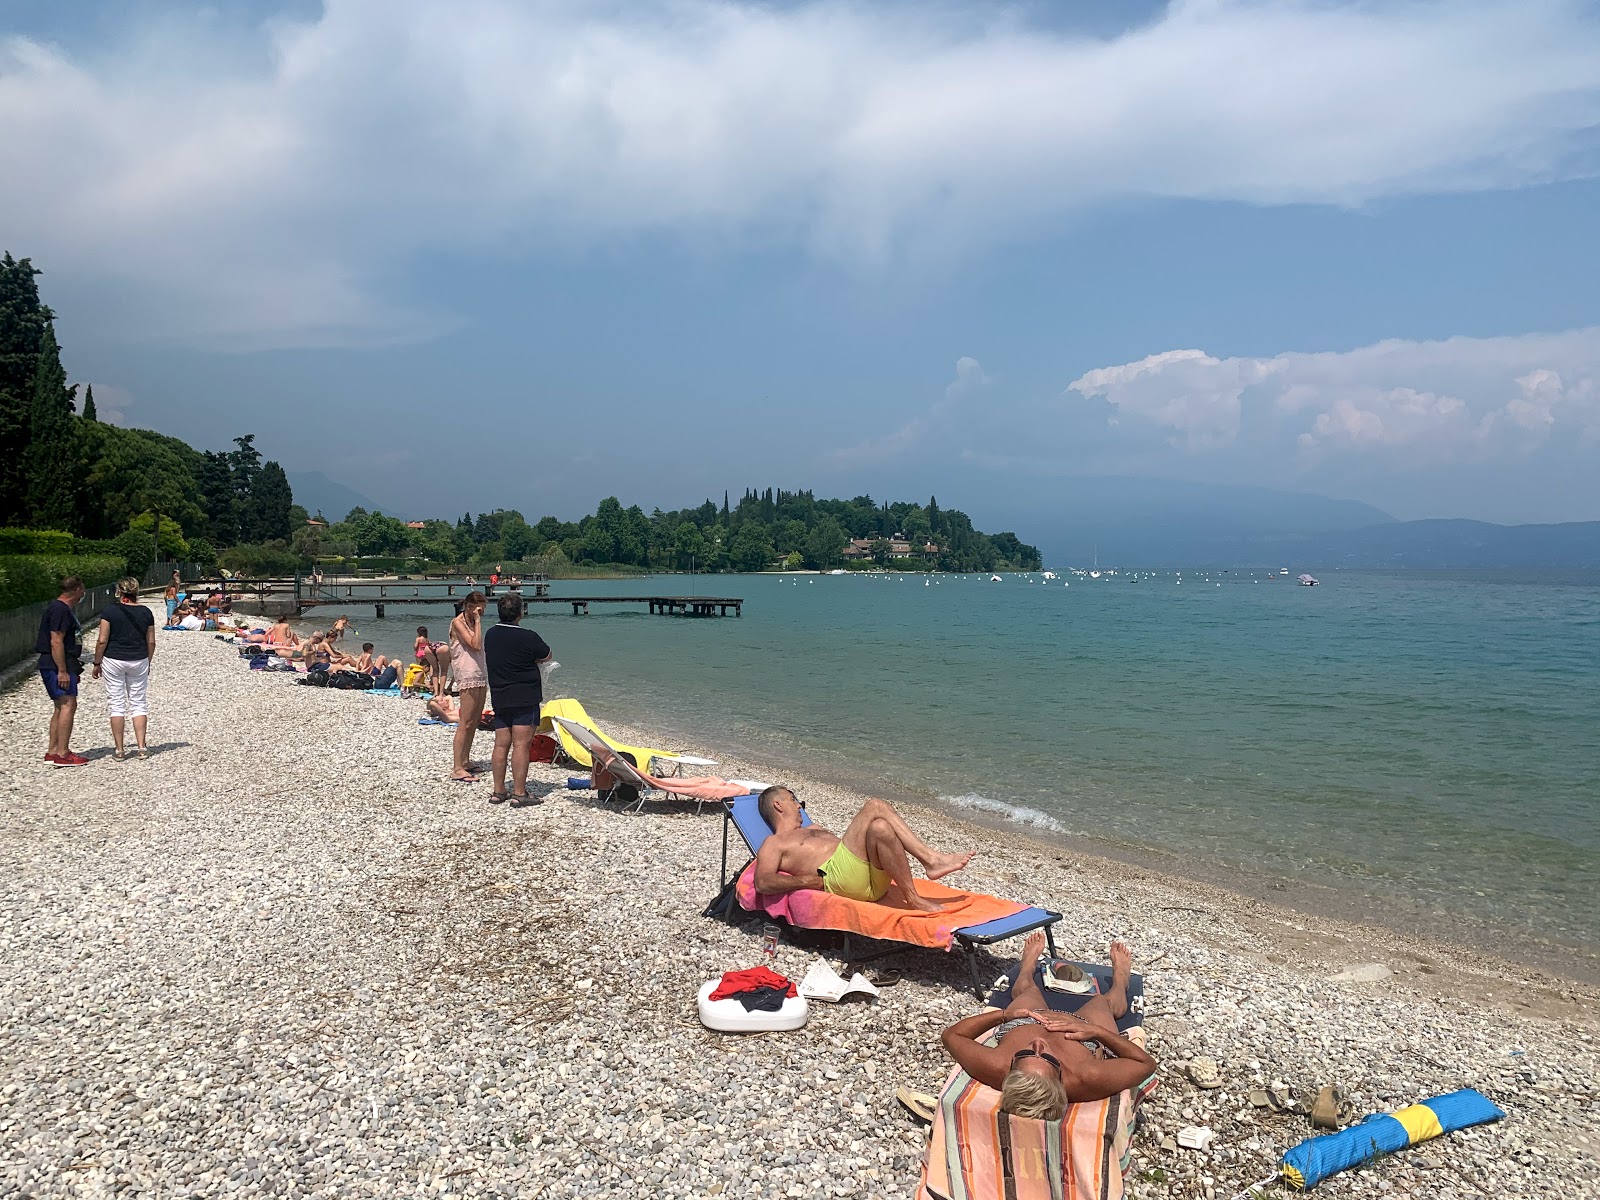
(316, 677)
(350, 681)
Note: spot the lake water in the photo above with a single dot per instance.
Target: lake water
(1426, 742)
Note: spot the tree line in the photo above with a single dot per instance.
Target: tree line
(62, 468)
(763, 529)
(122, 491)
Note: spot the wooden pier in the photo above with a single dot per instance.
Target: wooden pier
(297, 594)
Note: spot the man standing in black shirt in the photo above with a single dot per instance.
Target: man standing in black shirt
(512, 655)
(60, 649)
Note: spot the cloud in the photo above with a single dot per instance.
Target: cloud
(1454, 401)
(267, 185)
(968, 385)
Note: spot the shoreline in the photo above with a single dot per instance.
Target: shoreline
(1441, 965)
(1344, 902)
(285, 956)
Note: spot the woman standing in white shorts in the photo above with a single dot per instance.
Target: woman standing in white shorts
(127, 647)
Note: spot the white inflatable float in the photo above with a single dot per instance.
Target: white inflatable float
(729, 1016)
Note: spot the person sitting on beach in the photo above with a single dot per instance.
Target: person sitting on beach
(318, 654)
(369, 663)
(284, 641)
(872, 861)
(1042, 1060)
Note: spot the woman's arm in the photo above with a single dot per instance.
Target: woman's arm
(470, 636)
(150, 641)
(104, 635)
(986, 1064)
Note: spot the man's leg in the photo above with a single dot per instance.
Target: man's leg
(521, 748)
(937, 863)
(502, 747)
(61, 719)
(885, 851)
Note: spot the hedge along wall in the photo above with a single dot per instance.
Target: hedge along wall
(33, 578)
(40, 575)
(35, 541)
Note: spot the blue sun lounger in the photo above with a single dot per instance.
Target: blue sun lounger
(742, 813)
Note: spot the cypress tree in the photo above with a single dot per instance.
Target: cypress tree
(22, 322)
(51, 464)
(271, 500)
(89, 413)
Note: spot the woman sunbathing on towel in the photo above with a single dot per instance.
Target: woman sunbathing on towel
(1043, 1061)
(870, 862)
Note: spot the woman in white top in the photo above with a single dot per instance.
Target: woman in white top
(472, 682)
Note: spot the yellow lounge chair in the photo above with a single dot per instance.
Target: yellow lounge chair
(645, 758)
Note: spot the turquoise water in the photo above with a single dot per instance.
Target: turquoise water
(1431, 738)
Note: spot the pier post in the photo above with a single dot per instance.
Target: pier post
(377, 611)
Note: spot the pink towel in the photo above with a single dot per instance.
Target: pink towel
(824, 910)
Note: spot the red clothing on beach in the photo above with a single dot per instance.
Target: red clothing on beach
(735, 983)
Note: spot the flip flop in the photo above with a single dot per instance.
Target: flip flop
(919, 1104)
(1330, 1109)
(1203, 1072)
(468, 779)
(883, 979)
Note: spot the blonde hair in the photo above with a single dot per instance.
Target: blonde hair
(1042, 1097)
(128, 586)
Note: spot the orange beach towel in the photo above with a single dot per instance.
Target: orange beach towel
(977, 1152)
(824, 910)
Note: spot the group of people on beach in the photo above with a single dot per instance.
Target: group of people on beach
(1039, 1059)
(194, 612)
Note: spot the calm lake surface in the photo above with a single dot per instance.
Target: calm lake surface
(1426, 742)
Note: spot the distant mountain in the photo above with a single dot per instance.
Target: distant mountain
(1442, 544)
(1158, 522)
(315, 492)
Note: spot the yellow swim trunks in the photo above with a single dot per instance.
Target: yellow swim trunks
(846, 875)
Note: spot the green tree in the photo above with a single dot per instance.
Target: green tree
(689, 546)
(89, 413)
(880, 551)
(244, 464)
(270, 502)
(174, 547)
(825, 544)
(23, 319)
(52, 462)
(750, 550)
(516, 537)
(215, 482)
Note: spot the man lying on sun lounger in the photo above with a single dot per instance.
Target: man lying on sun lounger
(872, 861)
(1043, 1060)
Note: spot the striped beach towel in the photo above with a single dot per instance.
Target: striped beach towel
(978, 1152)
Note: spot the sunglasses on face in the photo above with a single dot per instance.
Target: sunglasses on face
(1049, 1058)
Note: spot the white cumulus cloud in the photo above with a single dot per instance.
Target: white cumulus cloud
(265, 185)
(1456, 400)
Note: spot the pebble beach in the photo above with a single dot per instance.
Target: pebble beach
(286, 957)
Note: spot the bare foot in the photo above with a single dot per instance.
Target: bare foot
(1032, 948)
(947, 864)
(1121, 964)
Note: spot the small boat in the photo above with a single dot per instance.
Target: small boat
(995, 579)
(1283, 570)
(1307, 581)
(837, 571)
(1049, 575)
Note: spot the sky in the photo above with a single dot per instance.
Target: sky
(527, 255)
